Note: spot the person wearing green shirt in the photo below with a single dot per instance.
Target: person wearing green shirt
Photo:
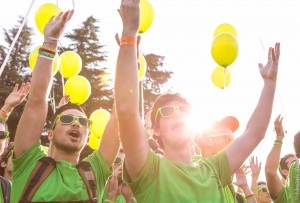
(175, 177)
(290, 192)
(68, 135)
(216, 138)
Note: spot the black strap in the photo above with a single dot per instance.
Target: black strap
(5, 185)
(87, 174)
(44, 168)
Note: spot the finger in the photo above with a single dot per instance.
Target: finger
(58, 16)
(270, 54)
(117, 38)
(260, 66)
(138, 39)
(64, 16)
(70, 15)
(16, 87)
(277, 50)
(51, 19)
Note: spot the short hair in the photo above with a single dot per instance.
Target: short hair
(64, 108)
(160, 101)
(5, 156)
(283, 164)
(297, 144)
(4, 123)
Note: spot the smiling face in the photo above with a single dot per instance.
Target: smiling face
(70, 137)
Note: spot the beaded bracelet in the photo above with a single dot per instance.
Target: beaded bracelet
(128, 41)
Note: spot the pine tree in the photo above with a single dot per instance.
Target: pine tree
(156, 77)
(17, 68)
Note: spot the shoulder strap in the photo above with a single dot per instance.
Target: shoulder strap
(5, 185)
(41, 171)
(87, 174)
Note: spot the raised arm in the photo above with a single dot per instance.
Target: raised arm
(14, 99)
(258, 123)
(273, 180)
(132, 133)
(110, 142)
(35, 112)
(255, 171)
(241, 181)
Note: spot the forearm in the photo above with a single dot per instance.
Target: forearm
(126, 82)
(42, 78)
(110, 142)
(259, 121)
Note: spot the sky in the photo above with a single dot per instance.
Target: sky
(182, 31)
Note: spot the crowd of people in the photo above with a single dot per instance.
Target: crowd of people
(160, 161)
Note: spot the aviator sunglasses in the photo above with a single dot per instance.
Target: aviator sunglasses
(169, 111)
(4, 134)
(69, 119)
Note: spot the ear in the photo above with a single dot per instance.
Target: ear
(50, 135)
(3, 164)
(285, 172)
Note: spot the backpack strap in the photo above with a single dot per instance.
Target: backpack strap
(87, 174)
(5, 185)
(41, 171)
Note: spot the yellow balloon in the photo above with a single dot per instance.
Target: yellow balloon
(142, 67)
(225, 27)
(221, 77)
(99, 118)
(43, 15)
(224, 49)
(94, 142)
(70, 64)
(146, 15)
(33, 57)
(79, 89)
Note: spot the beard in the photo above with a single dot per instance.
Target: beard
(69, 148)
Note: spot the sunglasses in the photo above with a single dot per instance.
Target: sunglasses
(169, 111)
(4, 134)
(262, 189)
(69, 119)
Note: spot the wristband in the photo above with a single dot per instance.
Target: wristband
(278, 142)
(5, 113)
(249, 197)
(3, 118)
(128, 41)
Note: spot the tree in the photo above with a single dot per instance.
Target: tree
(16, 69)
(156, 78)
(85, 42)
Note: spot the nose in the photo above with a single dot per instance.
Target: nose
(75, 123)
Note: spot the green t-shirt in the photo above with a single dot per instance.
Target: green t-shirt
(1, 193)
(229, 193)
(63, 184)
(119, 198)
(162, 180)
(290, 193)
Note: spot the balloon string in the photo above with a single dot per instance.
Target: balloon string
(73, 4)
(16, 38)
(224, 78)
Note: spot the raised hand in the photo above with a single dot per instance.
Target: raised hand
(269, 71)
(241, 179)
(130, 15)
(278, 127)
(16, 96)
(255, 167)
(56, 25)
(64, 100)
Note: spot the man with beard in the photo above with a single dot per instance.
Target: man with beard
(68, 136)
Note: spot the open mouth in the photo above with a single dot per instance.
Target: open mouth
(74, 133)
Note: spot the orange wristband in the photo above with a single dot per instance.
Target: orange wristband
(5, 113)
(128, 41)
